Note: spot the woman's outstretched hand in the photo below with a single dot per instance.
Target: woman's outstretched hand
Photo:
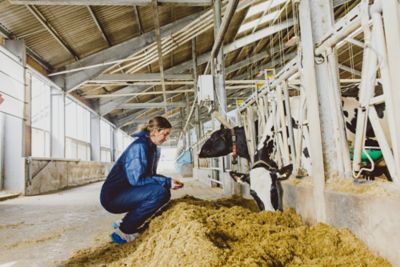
(175, 184)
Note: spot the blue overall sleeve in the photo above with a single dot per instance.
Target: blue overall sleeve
(157, 159)
(135, 165)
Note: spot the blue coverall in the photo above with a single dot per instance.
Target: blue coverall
(133, 186)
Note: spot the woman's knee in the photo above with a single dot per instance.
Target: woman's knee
(162, 194)
(110, 204)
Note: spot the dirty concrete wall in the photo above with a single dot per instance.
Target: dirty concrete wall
(44, 176)
(372, 217)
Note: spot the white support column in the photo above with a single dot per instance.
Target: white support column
(278, 138)
(219, 69)
(2, 126)
(112, 143)
(57, 123)
(290, 125)
(327, 80)
(248, 124)
(261, 113)
(27, 132)
(367, 89)
(182, 125)
(95, 137)
(188, 143)
(282, 125)
(391, 19)
(197, 110)
(342, 148)
(115, 144)
(310, 30)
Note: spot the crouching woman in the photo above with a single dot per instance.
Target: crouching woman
(133, 185)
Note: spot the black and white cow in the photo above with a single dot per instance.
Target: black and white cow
(350, 109)
(265, 175)
(267, 197)
(220, 144)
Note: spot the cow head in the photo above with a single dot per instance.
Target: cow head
(220, 144)
(264, 180)
(265, 186)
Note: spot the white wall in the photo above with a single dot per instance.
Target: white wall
(57, 123)
(40, 116)
(95, 137)
(167, 160)
(14, 163)
(12, 89)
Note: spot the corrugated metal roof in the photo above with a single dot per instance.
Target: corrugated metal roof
(119, 22)
(78, 30)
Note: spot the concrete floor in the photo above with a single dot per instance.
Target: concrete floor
(46, 230)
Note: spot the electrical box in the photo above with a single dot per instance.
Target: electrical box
(205, 88)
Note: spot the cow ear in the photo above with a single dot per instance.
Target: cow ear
(286, 171)
(221, 127)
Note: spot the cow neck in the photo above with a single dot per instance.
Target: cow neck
(263, 163)
(234, 145)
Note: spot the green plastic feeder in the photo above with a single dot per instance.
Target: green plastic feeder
(374, 154)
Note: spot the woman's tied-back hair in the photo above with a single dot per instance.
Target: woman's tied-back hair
(156, 123)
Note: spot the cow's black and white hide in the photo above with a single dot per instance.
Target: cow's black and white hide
(265, 173)
(264, 176)
(350, 108)
(267, 197)
(220, 144)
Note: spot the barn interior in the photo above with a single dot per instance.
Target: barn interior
(77, 79)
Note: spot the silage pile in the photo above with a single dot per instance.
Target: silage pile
(194, 232)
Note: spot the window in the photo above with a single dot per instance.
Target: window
(127, 141)
(40, 118)
(167, 160)
(77, 131)
(192, 136)
(122, 141)
(208, 127)
(105, 141)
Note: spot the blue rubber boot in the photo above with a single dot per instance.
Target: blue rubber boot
(119, 237)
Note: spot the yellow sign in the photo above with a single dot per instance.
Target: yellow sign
(259, 85)
(269, 74)
(239, 102)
